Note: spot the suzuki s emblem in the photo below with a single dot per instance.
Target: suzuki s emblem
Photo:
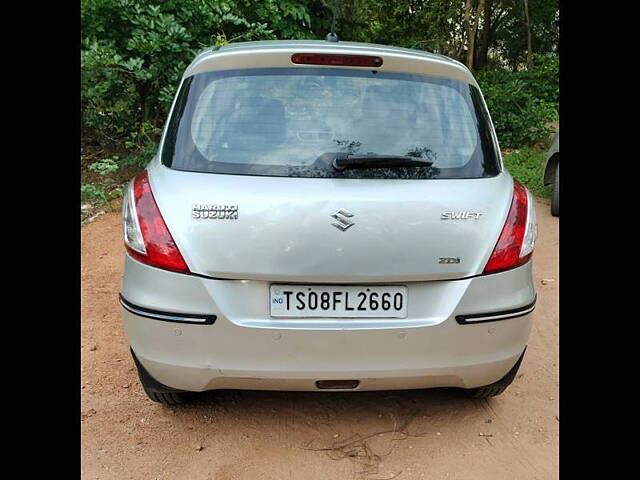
(342, 219)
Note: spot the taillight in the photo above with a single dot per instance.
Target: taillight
(146, 236)
(518, 236)
(337, 60)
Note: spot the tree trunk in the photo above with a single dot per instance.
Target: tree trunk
(466, 24)
(529, 52)
(482, 49)
(471, 34)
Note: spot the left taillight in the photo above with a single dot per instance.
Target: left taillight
(518, 236)
(146, 236)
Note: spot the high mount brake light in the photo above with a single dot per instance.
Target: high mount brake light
(518, 236)
(336, 60)
(146, 236)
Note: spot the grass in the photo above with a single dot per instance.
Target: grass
(527, 166)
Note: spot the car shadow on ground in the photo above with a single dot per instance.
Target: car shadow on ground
(260, 402)
(353, 398)
(397, 411)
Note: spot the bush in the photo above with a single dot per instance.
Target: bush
(105, 167)
(90, 192)
(100, 194)
(543, 79)
(522, 103)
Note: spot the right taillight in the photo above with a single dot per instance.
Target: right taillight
(146, 236)
(518, 236)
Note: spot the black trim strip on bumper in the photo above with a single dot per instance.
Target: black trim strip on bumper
(496, 316)
(195, 319)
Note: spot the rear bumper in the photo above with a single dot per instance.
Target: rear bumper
(243, 348)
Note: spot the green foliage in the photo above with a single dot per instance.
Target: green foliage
(141, 156)
(527, 166)
(134, 52)
(433, 26)
(106, 166)
(510, 37)
(543, 79)
(100, 194)
(522, 103)
(142, 145)
(90, 192)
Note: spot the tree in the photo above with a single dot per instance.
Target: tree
(134, 51)
(493, 16)
(528, 23)
(472, 15)
(511, 41)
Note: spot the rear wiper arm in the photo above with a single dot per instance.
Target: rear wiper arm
(380, 161)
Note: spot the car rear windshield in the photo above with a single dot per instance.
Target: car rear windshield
(294, 122)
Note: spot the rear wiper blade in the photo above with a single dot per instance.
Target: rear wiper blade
(378, 161)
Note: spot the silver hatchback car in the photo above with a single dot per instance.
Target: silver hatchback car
(327, 216)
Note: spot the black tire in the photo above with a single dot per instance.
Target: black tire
(155, 390)
(555, 199)
(498, 387)
(166, 398)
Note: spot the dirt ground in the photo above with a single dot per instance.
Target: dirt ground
(419, 434)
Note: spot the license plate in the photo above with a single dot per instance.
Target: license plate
(338, 301)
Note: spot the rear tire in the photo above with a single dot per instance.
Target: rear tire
(166, 398)
(155, 390)
(555, 199)
(498, 387)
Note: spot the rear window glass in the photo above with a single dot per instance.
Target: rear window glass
(295, 121)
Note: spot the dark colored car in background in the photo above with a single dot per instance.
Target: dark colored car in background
(552, 174)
